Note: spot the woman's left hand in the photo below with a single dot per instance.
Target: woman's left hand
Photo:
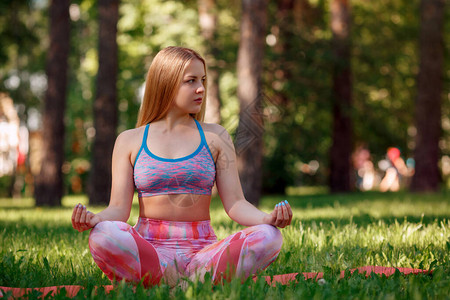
(281, 216)
(82, 219)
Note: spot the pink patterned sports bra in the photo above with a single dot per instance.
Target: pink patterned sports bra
(192, 174)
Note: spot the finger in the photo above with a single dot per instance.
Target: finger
(73, 215)
(279, 219)
(289, 211)
(285, 219)
(284, 209)
(89, 219)
(83, 216)
(89, 216)
(76, 217)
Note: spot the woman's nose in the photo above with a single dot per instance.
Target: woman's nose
(201, 88)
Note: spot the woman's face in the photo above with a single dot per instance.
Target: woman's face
(191, 91)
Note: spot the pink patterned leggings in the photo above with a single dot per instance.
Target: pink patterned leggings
(155, 250)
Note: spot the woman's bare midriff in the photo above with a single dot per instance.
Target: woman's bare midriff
(181, 207)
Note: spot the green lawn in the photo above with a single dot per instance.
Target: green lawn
(329, 233)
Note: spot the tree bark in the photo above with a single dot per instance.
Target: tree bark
(280, 75)
(49, 183)
(208, 24)
(249, 138)
(285, 15)
(340, 152)
(105, 105)
(305, 14)
(429, 96)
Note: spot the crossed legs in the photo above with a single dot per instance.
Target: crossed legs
(122, 253)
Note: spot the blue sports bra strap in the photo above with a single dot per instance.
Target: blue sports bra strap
(202, 134)
(143, 145)
(144, 139)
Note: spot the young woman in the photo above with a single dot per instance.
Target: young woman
(171, 159)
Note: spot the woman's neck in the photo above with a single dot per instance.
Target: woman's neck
(172, 121)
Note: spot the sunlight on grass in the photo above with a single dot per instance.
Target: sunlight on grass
(306, 190)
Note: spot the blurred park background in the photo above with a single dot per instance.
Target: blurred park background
(340, 95)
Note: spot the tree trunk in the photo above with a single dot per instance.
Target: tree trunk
(285, 15)
(208, 24)
(105, 105)
(280, 75)
(428, 106)
(249, 142)
(305, 14)
(49, 183)
(340, 154)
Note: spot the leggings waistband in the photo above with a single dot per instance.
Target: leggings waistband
(163, 229)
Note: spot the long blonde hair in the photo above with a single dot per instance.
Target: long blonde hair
(163, 79)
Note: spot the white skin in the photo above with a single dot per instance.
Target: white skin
(175, 136)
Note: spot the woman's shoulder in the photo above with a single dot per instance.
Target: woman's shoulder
(130, 137)
(214, 128)
(216, 133)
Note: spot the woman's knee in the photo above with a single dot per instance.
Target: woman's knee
(262, 246)
(267, 237)
(107, 231)
(272, 234)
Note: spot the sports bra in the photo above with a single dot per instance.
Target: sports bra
(191, 174)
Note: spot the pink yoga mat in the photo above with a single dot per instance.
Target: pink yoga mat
(388, 271)
(72, 290)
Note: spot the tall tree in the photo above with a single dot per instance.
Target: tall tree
(49, 183)
(207, 11)
(285, 30)
(249, 138)
(279, 74)
(340, 152)
(105, 104)
(429, 95)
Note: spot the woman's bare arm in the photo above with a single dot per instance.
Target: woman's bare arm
(230, 190)
(122, 188)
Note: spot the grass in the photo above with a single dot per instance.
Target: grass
(329, 233)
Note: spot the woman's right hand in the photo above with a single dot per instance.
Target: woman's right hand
(82, 219)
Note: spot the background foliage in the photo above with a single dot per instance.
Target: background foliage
(384, 65)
